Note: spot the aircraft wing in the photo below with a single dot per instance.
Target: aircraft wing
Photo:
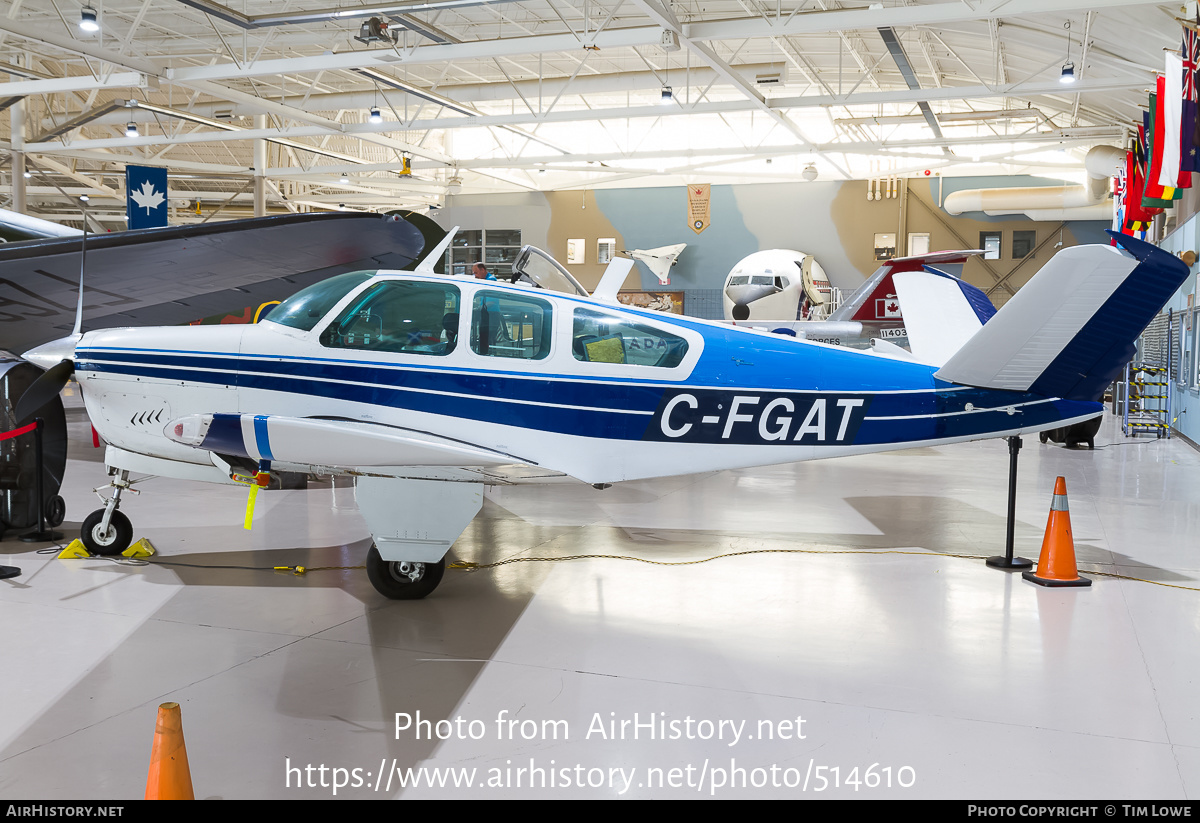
(180, 274)
(333, 443)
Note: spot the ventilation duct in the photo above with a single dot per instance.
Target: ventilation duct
(1086, 202)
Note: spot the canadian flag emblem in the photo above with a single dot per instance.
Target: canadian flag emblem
(887, 308)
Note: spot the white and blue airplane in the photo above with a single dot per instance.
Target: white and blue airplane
(425, 388)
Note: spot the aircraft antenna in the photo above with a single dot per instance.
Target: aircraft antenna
(83, 201)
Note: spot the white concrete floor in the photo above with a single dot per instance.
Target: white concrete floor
(907, 665)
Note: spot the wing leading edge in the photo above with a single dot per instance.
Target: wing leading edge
(180, 274)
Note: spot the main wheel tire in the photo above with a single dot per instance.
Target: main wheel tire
(114, 541)
(56, 511)
(396, 580)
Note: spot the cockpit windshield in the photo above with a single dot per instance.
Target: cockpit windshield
(535, 266)
(304, 309)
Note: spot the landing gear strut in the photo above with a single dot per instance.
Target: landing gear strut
(405, 579)
(107, 531)
(413, 523)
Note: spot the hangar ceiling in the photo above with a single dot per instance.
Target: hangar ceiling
(516, 95)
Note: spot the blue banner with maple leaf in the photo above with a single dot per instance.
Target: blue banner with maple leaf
(146, 197)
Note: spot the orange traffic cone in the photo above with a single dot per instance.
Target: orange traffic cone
(169, 777)
(1056, 566)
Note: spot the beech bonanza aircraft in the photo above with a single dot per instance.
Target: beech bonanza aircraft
(426, 387)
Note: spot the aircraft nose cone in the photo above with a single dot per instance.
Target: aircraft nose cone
(54, 352)
(748, 292)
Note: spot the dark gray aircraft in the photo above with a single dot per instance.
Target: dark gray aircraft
(181, 274)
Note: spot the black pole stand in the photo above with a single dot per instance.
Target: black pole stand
(1007, 562)
(42, 535)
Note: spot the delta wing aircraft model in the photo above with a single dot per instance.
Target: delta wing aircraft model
(425, 388)
(660, 260)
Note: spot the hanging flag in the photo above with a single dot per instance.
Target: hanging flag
(1118, 198)
(1155, 195)
(1190, 139)
(1138, 216)
(146, 197)
(1172, 102)
(1156, 145)
(1152, 192)
(1135, 214)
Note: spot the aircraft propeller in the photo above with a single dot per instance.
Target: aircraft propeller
(43, 390)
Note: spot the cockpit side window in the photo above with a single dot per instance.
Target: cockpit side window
(410, 317)
(605, 338)
(304, 309)
(510, 325)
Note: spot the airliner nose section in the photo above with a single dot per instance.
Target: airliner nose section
(749, 292)
(54, 352)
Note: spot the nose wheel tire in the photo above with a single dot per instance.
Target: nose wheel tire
(113, 541)
(405, 579)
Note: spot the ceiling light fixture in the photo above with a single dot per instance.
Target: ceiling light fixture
(667, 96)
(131, 130)
(88, 21)
(809, 173)
(1068, 69)
(345, 178)
(375, 116)
(28, 174)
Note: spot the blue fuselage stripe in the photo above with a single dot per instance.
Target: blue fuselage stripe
(629, 411)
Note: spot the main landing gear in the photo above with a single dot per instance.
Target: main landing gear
(107, 531)
(413, 523)
(404, 579)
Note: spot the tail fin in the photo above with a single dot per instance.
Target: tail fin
(937, 311)
(1070, 330)
(863, 303)
(941, 313)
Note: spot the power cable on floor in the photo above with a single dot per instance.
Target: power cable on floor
(467, 565)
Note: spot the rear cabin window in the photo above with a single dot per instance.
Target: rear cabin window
(510, 325)
(604, 338)
(398, 316)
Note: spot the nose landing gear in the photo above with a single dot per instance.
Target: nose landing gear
(107, 531)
